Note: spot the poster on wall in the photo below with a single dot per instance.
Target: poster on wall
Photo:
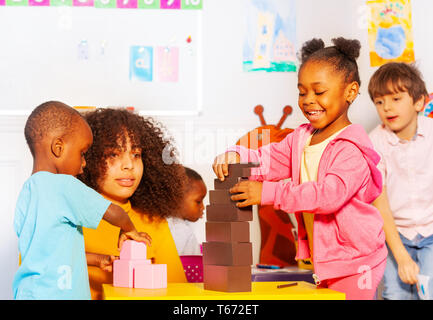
(428, 106)
(167, 64)
(141, 63)
(270, 36)
(390, 31)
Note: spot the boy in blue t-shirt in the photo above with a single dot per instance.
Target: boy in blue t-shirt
(53, 206)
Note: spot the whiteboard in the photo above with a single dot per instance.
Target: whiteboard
(41, 58)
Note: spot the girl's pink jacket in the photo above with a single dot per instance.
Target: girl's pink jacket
(348, 234)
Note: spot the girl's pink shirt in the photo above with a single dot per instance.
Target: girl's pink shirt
(348, 234)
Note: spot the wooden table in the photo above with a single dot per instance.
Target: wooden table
(194, 291)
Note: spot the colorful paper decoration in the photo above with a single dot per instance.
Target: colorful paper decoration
(149, 4)
(141, 63)
(428, 106)
(127, 4)
(39, 3)
(83, 3)
(390, 31)
(121, 4)
(17, 3)
(269, 42)
(105, 4)
(192, 4)
(83, 50)
(170, 4)
(59, 3)
(167, 64)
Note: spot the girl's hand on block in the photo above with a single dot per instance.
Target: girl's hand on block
(134, 235)
(249, 191)
(221, 163)
(106, 262)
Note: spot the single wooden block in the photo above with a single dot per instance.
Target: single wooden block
(227, 278)
(123, 271)
(228, 182)
(133, 250)
(228, 212)
(241, 169)
(228, 253)
(151, 276)
(228, 231)
(221, 196)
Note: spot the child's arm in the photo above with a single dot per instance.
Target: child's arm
(116, 216)
(103, 261)
(274, 159)
(343, 179)
(407, 268)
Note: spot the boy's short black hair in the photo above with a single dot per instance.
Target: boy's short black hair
(49, 117)
(396, 77)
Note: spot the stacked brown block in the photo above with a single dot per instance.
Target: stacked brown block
(227, 252)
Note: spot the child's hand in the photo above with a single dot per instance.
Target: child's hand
(134, 235)
(250, 191)
(221, 162)
(106, 262)
(407, 270)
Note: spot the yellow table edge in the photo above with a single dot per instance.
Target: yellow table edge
(194, 291)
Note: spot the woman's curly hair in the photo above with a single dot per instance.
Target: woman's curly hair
(161, 188)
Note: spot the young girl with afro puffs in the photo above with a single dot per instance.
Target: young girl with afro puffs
(334, 178)
(125, 164)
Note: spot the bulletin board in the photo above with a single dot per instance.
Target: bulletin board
(102, 57)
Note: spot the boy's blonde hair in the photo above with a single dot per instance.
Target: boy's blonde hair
(397, 77)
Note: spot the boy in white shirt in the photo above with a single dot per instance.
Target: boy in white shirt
(405, 142)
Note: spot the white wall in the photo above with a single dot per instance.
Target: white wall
(15, 167)
(229, 96)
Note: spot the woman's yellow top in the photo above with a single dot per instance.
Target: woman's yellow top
(104, 240)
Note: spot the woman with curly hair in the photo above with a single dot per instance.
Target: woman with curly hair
(125, 164)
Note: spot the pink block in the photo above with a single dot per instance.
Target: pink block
(133, 250)
(123, 271)
(153, 276)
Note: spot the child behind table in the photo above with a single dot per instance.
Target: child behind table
(191, 210)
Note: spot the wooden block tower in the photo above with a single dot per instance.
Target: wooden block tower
(227, 252)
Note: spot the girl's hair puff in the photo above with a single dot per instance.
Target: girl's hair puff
(342, 56)
(161, 188)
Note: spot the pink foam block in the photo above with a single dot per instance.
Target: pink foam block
(123, 271)
(153, 276)
(133, 250)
